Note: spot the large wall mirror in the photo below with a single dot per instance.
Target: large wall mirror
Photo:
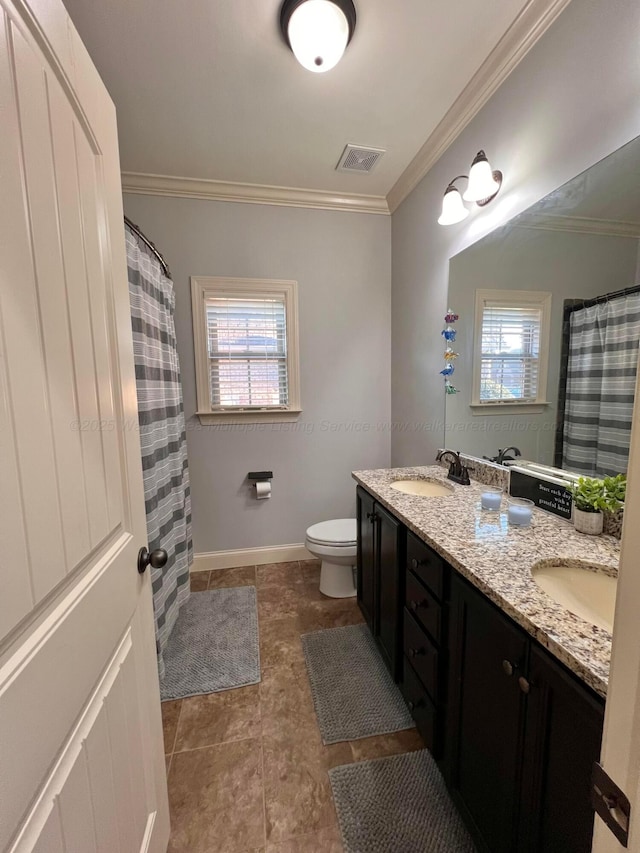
(547, 339)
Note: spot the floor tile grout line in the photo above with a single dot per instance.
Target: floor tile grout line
(264, 791)
(219, 743)
(175, 737)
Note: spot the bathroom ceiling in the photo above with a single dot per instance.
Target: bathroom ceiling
(207, 89)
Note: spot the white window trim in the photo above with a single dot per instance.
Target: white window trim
(512, 297)
(205, 287)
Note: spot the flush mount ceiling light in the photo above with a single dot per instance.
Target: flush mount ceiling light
(318, 31)
(483, 186)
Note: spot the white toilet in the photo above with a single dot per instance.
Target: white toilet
(334, 542)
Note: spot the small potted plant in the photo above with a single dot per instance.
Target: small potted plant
(591, 497)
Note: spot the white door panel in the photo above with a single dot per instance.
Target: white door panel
(81, 759)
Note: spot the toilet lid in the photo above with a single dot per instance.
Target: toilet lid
(340, 531)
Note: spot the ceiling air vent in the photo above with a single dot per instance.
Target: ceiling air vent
(355, 158)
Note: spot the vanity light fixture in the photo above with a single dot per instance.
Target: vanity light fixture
(318, 31)
(453, 210)
(483, 186)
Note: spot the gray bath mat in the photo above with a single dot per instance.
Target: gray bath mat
(353, 693)
(397, 805)
(214, 644)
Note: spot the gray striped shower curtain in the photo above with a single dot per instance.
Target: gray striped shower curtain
(162, 433)
(601, 382)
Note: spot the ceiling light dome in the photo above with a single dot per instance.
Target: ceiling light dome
(318, 31)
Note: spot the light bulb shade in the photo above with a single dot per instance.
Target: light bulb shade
(453, 210)
(318, 31)
(482, 183)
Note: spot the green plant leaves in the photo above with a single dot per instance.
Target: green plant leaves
(593, 495)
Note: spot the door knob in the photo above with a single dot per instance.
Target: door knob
(157, 559)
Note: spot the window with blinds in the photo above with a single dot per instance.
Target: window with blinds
(247, 348)
(511, 347)
(245, 335)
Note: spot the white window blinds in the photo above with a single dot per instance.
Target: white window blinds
(510, 352)
(247, 347)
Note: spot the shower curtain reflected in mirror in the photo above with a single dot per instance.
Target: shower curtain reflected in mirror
(162, 432)
(601, 366)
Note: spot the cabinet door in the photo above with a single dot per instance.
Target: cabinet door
(366, 557)
(563, 735)
(487, 714)
(390, 594)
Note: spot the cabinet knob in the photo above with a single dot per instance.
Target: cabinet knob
(372, 517)
(415, 652)
(413, 705)
(416, 563)
(416, 605)
(508, 668)
(525, 685)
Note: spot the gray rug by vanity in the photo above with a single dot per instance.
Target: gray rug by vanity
(214, 644)
(353, 693)
(397, 805)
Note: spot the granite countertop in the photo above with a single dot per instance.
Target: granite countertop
(497, 559)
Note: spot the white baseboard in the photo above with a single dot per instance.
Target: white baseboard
(249, 557)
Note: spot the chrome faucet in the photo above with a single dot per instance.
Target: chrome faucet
(458, 472)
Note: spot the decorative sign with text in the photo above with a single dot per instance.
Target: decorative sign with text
(545, 495)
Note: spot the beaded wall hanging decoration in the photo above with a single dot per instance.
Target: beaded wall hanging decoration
(449, 334)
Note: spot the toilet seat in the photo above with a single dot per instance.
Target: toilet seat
(337, 533)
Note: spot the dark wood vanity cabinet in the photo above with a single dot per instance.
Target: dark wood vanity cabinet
(487, 713)
(381, 549)
(425, 653)
(366, 563)
(523, 735)
(562, 740)
(515, 732)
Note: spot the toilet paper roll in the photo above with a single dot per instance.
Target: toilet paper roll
(263, 490)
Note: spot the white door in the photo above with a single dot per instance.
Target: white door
(81, 759)
(621, 742)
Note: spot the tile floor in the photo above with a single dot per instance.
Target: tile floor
(247, 770)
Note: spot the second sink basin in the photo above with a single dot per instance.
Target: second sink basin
(586, 589)
(422, 488)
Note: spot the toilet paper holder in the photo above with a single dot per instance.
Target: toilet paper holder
(261, 481)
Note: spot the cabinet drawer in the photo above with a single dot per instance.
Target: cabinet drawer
(426, 564)
(422, 708)
(423, 606)
(422, 654)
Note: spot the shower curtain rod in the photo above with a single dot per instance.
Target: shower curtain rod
(147, 242)
(579, 304)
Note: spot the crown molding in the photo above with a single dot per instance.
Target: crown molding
(140, 183)
(532, 22)
(577, 225)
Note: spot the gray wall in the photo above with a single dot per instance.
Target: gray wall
(342, 263)
(573, 99)
(571, 266)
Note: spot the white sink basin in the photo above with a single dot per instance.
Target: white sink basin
(422, 488)
(586, 589)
